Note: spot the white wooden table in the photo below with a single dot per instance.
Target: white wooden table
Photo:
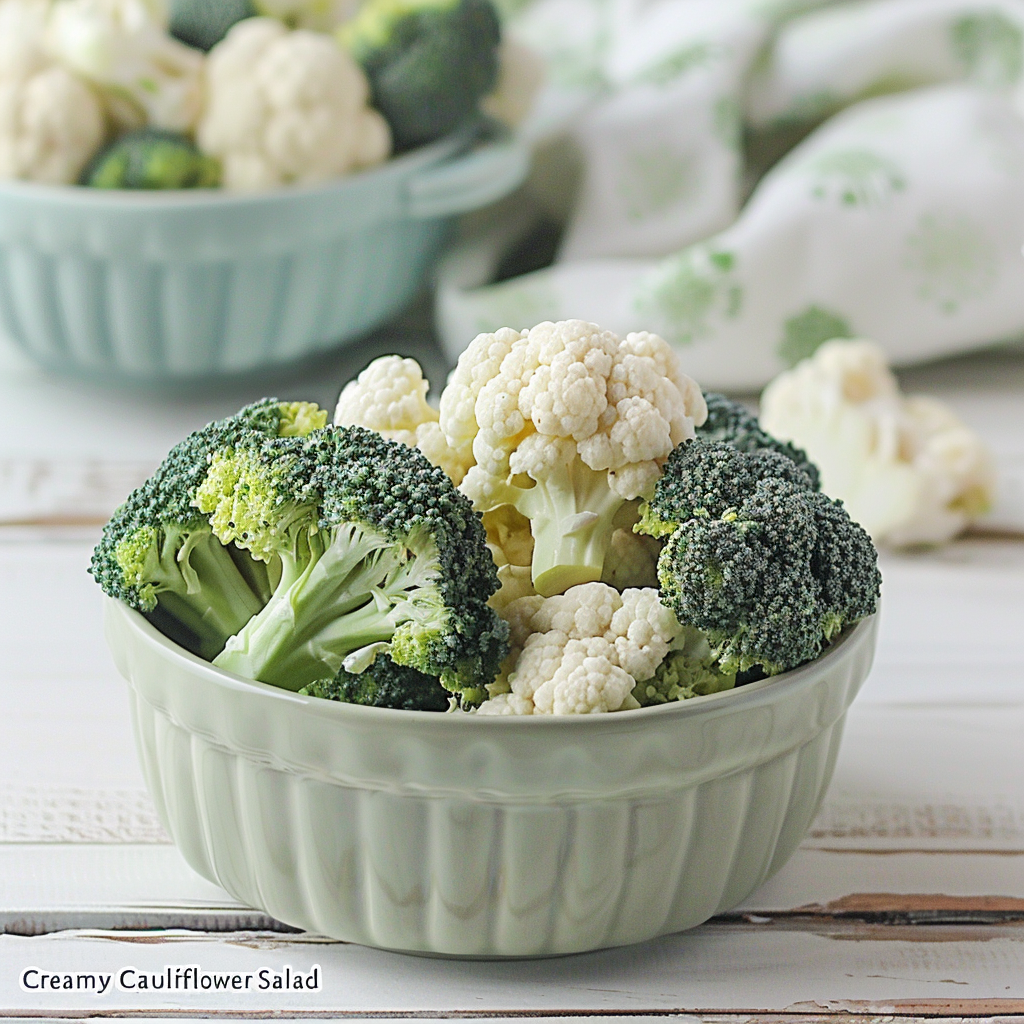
(906, 901)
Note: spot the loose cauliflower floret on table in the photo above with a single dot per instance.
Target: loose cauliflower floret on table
(566, 422)
(390, 396)
(583, 651)
(907, 468)
(287, 107)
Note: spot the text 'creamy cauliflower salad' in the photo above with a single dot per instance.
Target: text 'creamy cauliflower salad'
(576, 529)
(244, 94)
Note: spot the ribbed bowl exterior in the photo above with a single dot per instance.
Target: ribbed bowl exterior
(158, 286)
(483, 837)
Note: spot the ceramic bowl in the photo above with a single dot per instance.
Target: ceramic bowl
(159, 286)
(477, 836)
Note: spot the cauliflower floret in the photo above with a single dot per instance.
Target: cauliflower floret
(582, 652)
(390, 396)
(123, 47)
(287, 107)
(566, 422)
(51, 122)
(908, 470)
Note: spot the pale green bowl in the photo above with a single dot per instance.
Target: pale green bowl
(176, 285)
(478, 836)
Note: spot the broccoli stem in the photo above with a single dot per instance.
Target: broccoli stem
(206, 615)
(354, 589)
(571, 513)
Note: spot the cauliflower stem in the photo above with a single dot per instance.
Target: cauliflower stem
(571, 513)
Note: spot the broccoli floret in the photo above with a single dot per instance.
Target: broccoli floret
(733, 424)
(771, 580)
(383, 685)
(689, 670)
(709, 477)
(204, 23)
(378, 555)
(158, 553)
(428, 61)
(152, 159)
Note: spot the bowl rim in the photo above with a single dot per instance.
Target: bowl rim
(768, 689)
(433, 153)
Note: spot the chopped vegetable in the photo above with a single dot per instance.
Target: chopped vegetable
(767, 568)
(373, 552)
(287, 107)
(907, 468)
(584, 651)
(429, 62)
(151, 159)
(123, 48)
(51, 122)
(159, 555)
(566, 423)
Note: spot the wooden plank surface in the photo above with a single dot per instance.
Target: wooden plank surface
(906, 899)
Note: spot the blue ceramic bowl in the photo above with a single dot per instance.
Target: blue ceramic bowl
(174, 285)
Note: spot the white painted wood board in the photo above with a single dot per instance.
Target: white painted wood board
(718, 967)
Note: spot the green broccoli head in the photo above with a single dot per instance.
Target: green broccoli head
(428, 61)
(733, 424)
(707, 478)
(376, 554)
(152, 159)
(204, 23)
(383, 685)
(771, 580)
(158, 553)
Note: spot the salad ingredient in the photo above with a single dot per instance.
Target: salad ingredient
(429, 62)
(383, 685)
(390, 396)
(907, 468)
(767, 568)
(124, 49)
(566, 423)
(152, 159)
(708, 479)
(734, 424)
(204, 23)
(158, 553)
(584, 651)
(373, 552)
(689, 670)
(51, 122)
(287, 107)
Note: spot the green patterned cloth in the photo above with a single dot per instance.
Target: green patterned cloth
(899, 216)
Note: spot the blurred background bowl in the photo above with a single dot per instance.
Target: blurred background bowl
(158, 286)
(483, 836)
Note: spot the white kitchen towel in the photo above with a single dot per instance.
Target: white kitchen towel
(901, 217)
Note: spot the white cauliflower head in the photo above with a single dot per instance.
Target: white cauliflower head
(390, 396)
(908, 470)
(287, 107)
(566, 422)
(123, 48)
(51, 122)
(584, 651)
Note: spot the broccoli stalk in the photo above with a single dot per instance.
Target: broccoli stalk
(172, 566)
